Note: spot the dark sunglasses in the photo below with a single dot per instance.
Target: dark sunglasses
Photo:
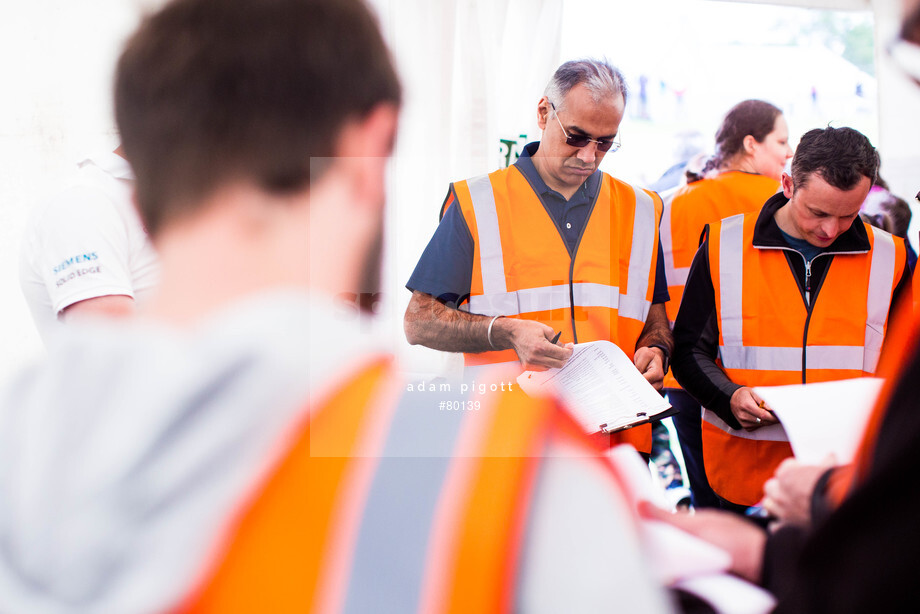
(581, 141)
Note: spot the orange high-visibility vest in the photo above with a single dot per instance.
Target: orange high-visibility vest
(522, 269)
(686, 215)
(903, 337)
(915, 285)
(768, 338)
(348, 519)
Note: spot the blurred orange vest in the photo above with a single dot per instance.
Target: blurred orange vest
(345, 498)
(767, 337)
(686, 215)
(522, 268)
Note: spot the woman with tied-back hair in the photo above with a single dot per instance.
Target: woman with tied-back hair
(751, 149)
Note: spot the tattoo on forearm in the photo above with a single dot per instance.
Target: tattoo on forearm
(438, 326)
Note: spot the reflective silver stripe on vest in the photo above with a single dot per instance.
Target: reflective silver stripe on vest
(766, 358)
(490, 240)
(396, 521)
(496, 300)
(597, 295)
(772, 432)
(636, 305)
(527, 300)
(731, 280)
(881, 286)
(676, 276)
(548, 298)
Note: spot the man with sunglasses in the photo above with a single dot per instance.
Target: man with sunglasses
(549, 245)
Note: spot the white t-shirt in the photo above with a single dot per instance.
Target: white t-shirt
(86, 241)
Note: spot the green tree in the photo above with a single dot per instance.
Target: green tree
(859, 46)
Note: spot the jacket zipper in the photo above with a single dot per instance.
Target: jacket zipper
(808, 283)
(808, 302)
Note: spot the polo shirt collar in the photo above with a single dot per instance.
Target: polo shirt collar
(111, 163)
(525, 165)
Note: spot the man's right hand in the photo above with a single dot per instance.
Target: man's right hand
(532, 341)
(788, 494)
(750, 409)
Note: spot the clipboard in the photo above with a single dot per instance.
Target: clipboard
(641, 418)
(601, 388)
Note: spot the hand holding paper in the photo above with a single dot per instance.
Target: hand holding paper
(824, 418)
(601, 386)
(787, 495)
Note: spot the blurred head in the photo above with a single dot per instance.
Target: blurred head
(213, 92)
(910, 26)
(585, 98)
(886, 211)
(753, 136)
(832, 172)
(905, 51)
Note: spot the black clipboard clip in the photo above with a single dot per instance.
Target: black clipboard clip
(671, 411)
(613, 429)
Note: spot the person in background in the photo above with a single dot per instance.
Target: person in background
(798, 292)
(889, 212)
(550, 245)
(241, 446)
(752, 147)
(85, 250)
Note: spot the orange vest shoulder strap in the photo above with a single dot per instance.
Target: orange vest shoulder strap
(277, 547)
(481, 518)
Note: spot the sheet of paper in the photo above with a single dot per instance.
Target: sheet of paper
(727, 593)
(674, 554)
(824, 418)
(635, 476)
(601, 386)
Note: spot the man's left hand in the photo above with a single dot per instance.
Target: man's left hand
(741, 538)
(650, 362)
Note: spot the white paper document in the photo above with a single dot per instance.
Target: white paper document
(824, 418)
(682, 560)
(601, 386)
(729, 594)
(674, 554)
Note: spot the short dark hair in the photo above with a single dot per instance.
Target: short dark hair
(213, 91)
(749, 117)
(840, 156)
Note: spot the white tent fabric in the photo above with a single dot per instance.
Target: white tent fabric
(473, 72)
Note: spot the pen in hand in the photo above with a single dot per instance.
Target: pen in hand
(556, 338)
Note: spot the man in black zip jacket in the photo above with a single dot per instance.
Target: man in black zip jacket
(861, 556)
(763, 331)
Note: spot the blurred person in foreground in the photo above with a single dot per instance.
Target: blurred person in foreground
(846, 541)
(799, 292)
(752, 147)
(241, 447)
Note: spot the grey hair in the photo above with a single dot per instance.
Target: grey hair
(600, 77)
